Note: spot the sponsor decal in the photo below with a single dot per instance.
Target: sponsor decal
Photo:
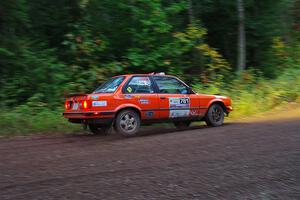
(99, 103)
(179, 113)
(145, 82)
(126, 96)
(129, 89)
(141, 81)
(95, 97)
(149, 114)
(179, 103)
(144, 101)
(194, 112)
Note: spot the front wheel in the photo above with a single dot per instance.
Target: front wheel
(128, 123)
(215, 115)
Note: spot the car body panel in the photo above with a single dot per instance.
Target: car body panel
(178, 105)
(151, 106)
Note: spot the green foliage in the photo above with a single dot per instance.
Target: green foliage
(36, 72)
(213, 64)
(51, 48)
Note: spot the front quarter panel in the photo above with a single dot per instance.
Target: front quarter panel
(207, 100)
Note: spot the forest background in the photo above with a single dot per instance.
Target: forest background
(246, 49)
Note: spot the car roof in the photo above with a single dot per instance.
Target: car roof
(151, 74)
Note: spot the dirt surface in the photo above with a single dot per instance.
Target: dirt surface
(243, 160)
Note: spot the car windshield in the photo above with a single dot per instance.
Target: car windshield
(110, 86)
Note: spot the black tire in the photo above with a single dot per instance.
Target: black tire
(182, 124)
(100, 129)
(215, 115)
(128, 123)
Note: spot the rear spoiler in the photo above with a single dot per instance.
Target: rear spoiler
(75, 95)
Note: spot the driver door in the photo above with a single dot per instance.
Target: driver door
(174, 99)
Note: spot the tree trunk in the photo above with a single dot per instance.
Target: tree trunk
(191, 12)
(241, 61)
(196, 57)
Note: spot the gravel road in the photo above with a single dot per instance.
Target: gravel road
(245, 160)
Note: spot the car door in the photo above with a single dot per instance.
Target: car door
(175, 102)
(139, 90)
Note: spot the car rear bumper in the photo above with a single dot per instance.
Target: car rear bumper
(91, 120)
(88, 115)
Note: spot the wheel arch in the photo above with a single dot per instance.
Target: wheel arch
(129, 107)
(117, 125)
(221, 103)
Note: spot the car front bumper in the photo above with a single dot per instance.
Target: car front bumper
(229, 108)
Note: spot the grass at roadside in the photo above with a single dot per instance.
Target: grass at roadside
(281, 112)
(24, 120)
(18, 122)
(251, 95)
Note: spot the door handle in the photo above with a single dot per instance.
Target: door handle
(162, 97)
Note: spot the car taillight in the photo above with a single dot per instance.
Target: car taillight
(67, 105)
(85, 104)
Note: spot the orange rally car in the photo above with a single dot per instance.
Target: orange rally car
(127, 101)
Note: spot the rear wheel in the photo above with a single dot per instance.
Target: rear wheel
(100, 129)
(128, 123)
(215, 115)
(182, 124)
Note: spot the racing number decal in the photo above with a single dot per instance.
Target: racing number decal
(179, 107)
(179, 103)
(185, 101)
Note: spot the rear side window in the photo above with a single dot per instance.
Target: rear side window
(169, 85)
(139, 85)
(110, 86)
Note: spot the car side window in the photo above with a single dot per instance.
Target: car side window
(170, 85)
(139, 85)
